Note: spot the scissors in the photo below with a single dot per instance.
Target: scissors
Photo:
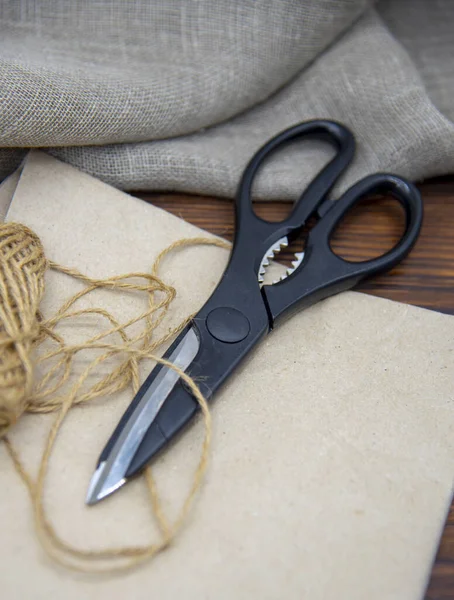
(241, 310)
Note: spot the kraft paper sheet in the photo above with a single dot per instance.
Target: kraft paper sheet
(333, 449)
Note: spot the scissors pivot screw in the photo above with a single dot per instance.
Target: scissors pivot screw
(228, 325)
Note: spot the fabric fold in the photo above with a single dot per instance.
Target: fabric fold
(177, 96)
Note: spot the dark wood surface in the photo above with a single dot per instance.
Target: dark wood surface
(425, 278)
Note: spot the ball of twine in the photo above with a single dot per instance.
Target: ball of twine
(22, 268)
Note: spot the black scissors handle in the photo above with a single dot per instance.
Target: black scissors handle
(254, 235)
(322, 272)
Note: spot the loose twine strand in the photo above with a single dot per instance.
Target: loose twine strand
(27, 341)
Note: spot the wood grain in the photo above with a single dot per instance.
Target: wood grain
(425, 278)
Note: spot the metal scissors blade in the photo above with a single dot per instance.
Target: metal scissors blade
(163, 404)
(111, 471)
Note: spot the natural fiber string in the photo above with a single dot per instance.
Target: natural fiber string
(22, 269)
(23, 332)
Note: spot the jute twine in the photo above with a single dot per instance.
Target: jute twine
(28, 341)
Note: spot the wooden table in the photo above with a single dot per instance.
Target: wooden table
(425, 278)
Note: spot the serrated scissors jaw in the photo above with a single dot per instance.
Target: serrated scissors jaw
(269, 255)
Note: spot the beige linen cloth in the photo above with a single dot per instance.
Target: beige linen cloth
(333, 455)
(178, 94)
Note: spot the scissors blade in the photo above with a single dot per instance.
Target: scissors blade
(111, 472)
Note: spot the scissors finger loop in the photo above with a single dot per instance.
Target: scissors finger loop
(335, 134)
